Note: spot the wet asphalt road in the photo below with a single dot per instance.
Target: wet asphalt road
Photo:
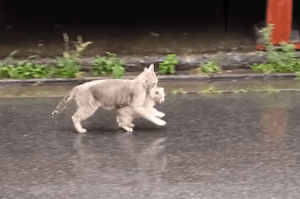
(233, 146)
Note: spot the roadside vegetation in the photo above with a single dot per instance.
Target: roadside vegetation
(212, 89)
(209, 67)
(168, 66)
(281, 60)
(108, 65)
(278, 60)
(67, 66)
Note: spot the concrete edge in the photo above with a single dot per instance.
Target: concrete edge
(217, 77)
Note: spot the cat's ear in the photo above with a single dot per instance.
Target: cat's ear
(151, 67)
(145, 70)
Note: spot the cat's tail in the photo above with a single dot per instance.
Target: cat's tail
(62, 105)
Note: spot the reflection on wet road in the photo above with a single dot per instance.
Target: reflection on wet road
(217, 146)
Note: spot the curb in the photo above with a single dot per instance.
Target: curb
(163, 78)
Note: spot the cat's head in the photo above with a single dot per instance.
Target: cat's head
(149, 78)
(159, 95)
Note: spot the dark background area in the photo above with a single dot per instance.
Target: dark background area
(126, 27)
(130, 11)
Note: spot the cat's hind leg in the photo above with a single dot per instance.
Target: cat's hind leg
(87, 106)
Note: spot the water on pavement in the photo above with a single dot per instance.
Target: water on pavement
(214, 146)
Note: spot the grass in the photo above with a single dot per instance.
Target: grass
(178, 91)
(213, 90)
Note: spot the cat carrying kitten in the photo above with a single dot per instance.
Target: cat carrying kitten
(111, 94)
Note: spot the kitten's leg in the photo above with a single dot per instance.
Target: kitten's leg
(137, 107)
(158, 113)
(149, 115)
(86, 107)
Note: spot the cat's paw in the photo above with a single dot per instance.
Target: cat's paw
(81, 130)
(128, 129)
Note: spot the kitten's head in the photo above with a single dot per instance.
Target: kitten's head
(149, 78)
(159, 95)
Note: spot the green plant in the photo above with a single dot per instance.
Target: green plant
(108, 65)
(297, 76)
(211, 89)
(168, 65)
(65, 67)
(68, 65)
(268, 89)
(178, 91)
(284, 60)
(240, 91)
(31, 70)
(22, 69)
(209, 67)
(8, 71)
(7, 68)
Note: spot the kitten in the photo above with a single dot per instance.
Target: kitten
(126, 115)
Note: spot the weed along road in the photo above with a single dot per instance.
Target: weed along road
(243, 145)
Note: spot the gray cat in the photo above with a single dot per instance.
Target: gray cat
(126, 114)
(111, 94)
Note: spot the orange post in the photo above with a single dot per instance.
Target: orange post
(279, 13)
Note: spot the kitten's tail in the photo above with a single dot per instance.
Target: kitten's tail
(62, 105)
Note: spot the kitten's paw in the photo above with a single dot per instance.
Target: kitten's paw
(131, 125)
(161, 123)
(160, 114)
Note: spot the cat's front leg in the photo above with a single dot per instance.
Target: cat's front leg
(123, 126)
(126, 128)
(125, 118)
(125, 123)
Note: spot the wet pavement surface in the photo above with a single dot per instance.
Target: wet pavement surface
(235, 146)
(32, 90)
